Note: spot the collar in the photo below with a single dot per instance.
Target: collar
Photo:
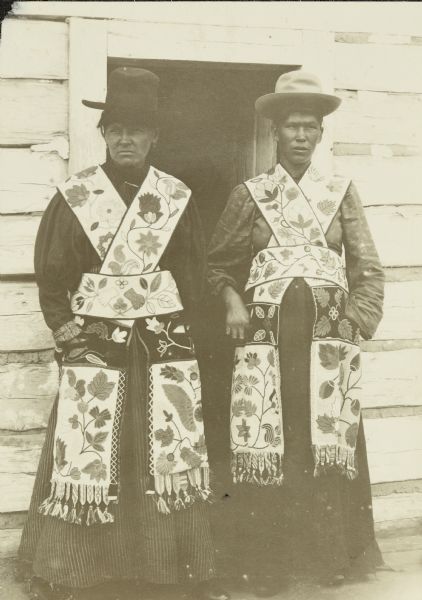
(127, 181)
(119, 175)
(296, 178)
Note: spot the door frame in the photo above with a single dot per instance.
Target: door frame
(93, 41)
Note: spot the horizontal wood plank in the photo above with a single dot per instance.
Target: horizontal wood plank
(386, 412)
(383, 180)
(385, 150)
(33, 49)
(14, 520)
(397, 234)
(386, 67)
(27, 393)
(387, 18)
(19, 487)
(396, 274)
(17, 238)
(399, 434)
(371, 38)
(27, 358)
(32, 111)
(19, 298)
(402, 311)
(28, 179)
(392, 378)
(204, 43)
(24, 198)
(402, 544)
(394, 448)
(389, 345)
(378, 118)
(392, 466)
(26, 413)
(20, 453)
(388, 510)
(22, 324)
(9, 543)
(24, 333)
(397, 487)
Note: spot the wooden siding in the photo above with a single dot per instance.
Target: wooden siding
(203, 43)
(33, 49)
(347, 17)
(32, 111)
(382, 178)
(28, 179)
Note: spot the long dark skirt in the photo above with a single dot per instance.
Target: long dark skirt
(142, 543)
(309, 526)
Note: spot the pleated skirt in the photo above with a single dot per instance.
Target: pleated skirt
(142, 544)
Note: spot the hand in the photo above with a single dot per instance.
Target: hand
(78, 341)
(237, 316)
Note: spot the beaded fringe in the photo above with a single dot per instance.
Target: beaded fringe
(257, 468)
(180, 490)
(341, 458)
(76, 503)
(267, 469)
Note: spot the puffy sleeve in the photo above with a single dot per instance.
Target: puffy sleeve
(231, 247)
(62, 254)
(364, 272)
(185, 257)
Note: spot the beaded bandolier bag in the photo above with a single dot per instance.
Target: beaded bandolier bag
(129, 286)
(299, 217)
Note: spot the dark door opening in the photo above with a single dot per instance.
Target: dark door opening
(212, 139)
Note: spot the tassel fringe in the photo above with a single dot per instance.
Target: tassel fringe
(260, 469)
(267, 469)
(328, 458)
(78, 504)
(181, 490)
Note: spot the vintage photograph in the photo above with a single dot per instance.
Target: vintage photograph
(210, 301)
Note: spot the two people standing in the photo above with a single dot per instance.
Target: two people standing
(123, 481)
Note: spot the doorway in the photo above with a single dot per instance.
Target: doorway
(211, 138)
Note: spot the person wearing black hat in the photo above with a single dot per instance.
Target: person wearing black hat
(120, 264)
(302, 492)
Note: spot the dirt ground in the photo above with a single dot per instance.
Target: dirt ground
(404, 555)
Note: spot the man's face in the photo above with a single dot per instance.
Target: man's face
(297, 137)
(129, 145)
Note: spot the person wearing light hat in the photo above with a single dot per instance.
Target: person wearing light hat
(121, 489)
(302, 492)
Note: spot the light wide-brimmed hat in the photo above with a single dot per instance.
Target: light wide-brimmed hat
(132, 94)
(296, 90)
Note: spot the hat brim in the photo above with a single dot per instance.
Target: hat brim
(272, 105)
(134, 113)
(92, 104)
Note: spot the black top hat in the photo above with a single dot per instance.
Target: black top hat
(132, 94)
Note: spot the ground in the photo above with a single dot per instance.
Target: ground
(402, 553)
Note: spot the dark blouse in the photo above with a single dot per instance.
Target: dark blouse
(63, 252)
(242, 232)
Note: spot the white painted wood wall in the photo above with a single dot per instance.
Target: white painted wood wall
(377, 136)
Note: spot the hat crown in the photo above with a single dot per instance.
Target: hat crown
(131, 86)
(297, 90)
(298, 82)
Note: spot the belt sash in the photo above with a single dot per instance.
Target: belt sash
(93, 379)
(298, 217)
